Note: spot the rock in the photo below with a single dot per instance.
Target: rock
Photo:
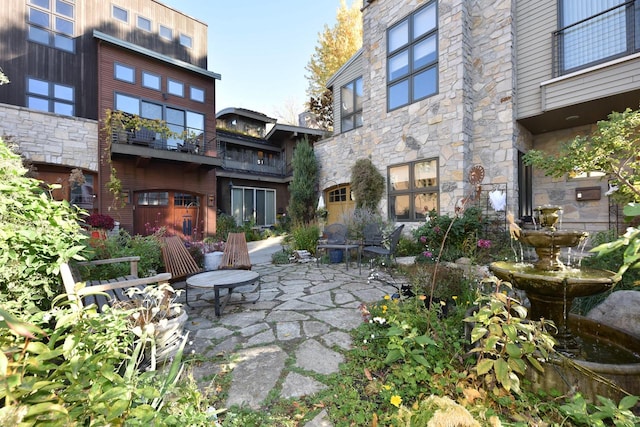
(619, 310)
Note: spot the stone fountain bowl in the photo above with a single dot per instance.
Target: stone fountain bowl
(568, 375)
(552, 238)
(571, 283)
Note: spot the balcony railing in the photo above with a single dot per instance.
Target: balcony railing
(607, 35)
(255, 165)
(151, 139)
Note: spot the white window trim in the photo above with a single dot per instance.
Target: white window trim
(113, 15)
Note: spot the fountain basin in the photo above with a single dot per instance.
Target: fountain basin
(568, 283)
(617, 360)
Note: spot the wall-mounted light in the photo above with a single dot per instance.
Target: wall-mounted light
(211, 200)
(230, 184)
(126, 196)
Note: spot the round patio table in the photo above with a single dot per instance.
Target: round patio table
(221, 279)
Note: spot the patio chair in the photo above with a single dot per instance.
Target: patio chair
(236, 253)
(336, 239)
(380, 250)
(372, 235)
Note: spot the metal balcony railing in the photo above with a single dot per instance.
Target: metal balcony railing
(148, 138)
(609, 34)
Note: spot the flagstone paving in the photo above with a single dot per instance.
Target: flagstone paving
(283, 336)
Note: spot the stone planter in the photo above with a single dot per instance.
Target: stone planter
(169, 336)
(212, 260)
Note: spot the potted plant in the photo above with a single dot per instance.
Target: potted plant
(158, 318)
(99, 225)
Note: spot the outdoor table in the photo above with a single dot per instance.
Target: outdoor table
(221, 279)
(343, 247)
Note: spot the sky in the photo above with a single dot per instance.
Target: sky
(261, 49)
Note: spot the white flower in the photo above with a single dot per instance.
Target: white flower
(380, 320)
(365, 341)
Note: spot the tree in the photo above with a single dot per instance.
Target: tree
(322, 108)
(336, 45)
(367, 184)
(303, 187)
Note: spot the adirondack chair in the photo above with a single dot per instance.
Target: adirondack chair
(177, 259)
(112, 290)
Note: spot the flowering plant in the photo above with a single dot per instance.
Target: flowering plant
(153, 304)
(97, 220)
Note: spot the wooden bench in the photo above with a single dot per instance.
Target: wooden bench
(177, 259)
(101, 292)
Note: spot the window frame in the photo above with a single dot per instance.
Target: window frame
(355, 115)
(115, 8)
(197, 88)
(122, 65)
(171, 81)
(409, 81)
(164, 27)
(50, 97)
(412, 190)
(51, 34)
(183, 40)
(146, 73)
(144, 19)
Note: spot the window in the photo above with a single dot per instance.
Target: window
(52, 23)
(412, 58)
(166, 32)
(593, 32)
(175, 87)
(589, 174)
(196, 94)
(253, 204)
(125, 73)
(186, 41)
(144, 23)
(187, 125)
(82, 194)
(413, 190)
(159, 198)
(52, 97)
(351, 100)
(150, 80)
(120, 14)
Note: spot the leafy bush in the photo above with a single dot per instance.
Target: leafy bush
(102, 221)
(66, 367)
(225, 224)
(408, 247)
(304, 238)
(357, 219)
(281, 257)
(367, 184)
(123, 245)
(37, 234)
(461, 230)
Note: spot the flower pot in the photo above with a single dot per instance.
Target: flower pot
(335, 256)
(212, 260)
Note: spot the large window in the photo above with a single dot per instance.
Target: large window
(595, 31)
(412, 58)
(351, 101)
(52, 22)
(253, 205)
(413, 190)
(82, 194)
(48, 96)
(189, 125)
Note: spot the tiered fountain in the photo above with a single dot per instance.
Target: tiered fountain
(551, 288)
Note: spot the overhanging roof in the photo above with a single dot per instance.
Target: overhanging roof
(155, 55)
(297, 130)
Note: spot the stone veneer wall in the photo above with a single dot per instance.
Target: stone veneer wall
(584, 215)
(470, 121)
(51, 138)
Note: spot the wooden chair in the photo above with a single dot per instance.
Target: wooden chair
(110, 290)
(387, 252)
(177, 259)
(236, 253)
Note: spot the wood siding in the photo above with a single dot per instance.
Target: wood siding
(535, 23)
(591, 84)
(351, 72)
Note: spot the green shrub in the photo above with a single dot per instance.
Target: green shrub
(281, 257)
(357, 219)
(125, 245)
(408, 247)
(463, 233)
(304, 238)
(37, 235)
(225, 224)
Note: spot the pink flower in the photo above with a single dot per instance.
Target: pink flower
(423, 239)
(427, 254)
(485, 244)
(436, 229)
